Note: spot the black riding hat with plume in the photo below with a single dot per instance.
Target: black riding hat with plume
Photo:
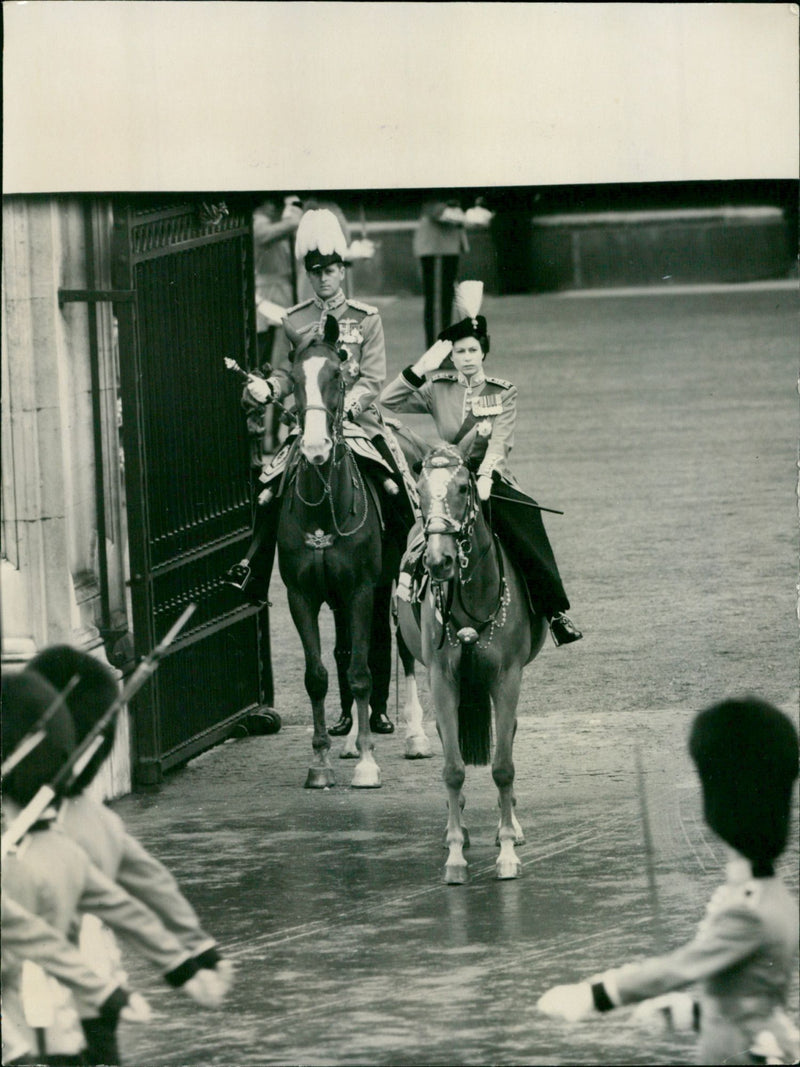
(467, 302)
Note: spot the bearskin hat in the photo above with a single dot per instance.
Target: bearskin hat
(96, 691)
(746, 754)
(26, 697)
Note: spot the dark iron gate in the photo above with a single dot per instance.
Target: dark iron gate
(187, 272)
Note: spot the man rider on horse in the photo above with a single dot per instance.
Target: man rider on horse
(321, 244)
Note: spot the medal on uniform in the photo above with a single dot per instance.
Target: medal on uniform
(350, 332)
(483, 405)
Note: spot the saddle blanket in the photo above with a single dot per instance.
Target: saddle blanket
(359, 443)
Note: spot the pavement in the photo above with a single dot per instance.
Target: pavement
(348, 947)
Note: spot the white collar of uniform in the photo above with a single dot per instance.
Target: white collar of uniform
(330, 305)
(478, 378)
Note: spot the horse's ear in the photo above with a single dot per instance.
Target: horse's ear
(331, 332)
(293, 335)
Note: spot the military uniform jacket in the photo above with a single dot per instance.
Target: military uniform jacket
(449, 398)
(744, 954)
(361, 333)
(52, 877)
(102, 835)
(436, 237)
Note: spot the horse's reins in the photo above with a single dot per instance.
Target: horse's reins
(337, 423)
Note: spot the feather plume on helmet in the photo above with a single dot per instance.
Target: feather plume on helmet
(319, 240)
(468, 297)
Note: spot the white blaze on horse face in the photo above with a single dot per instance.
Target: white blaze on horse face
(439, 554)
(316, 444)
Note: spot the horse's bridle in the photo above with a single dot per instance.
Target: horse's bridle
(445, 523)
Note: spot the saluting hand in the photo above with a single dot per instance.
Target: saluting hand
(433, 358)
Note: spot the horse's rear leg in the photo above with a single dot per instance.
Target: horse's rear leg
(417, 744)
(506, 697)
(445, 699)
(306, 619)
(367, 774)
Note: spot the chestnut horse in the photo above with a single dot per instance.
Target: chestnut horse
(475, 631)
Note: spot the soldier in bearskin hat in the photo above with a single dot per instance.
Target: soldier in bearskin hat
(102, 834)
(479, 414)
(51, 876)
(744, 954)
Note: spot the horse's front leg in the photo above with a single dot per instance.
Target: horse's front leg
(509, 833)
(367, 774)
(305, 615)
(444, 691)
(417, 744)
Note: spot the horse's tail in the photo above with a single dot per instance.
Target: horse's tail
(474, 710)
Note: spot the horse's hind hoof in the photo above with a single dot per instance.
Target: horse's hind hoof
(455, 874)
(319, 778)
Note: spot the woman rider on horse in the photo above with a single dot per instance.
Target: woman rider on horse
(479, 414)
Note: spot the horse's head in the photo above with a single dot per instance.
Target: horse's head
(319, 387)
(449, 506)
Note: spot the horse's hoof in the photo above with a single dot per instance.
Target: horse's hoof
(366, 776)
(418, 748)
(508, 869)
(455, 874)
(320, 778)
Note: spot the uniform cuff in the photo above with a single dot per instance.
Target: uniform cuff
(208, 959)
(412, 378)
(181, 974)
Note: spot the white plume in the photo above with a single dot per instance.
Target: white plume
(468, 299)
(319, 231)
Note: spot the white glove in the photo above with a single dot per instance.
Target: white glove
(484, 486)
(225, 971)
(259, 389)
(205, 988)
(478, 216)
(352, 407)
(137, 1010)
(570, 1002)
(433, 358)
(672, 1011)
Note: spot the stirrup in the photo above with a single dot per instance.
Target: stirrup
(238, 576)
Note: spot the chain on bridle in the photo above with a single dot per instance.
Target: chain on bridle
(445, 523)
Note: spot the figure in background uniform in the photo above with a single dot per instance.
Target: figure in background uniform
(439, 240)
(744, 954)
(322, 247)
(274, 228)
(479, 414)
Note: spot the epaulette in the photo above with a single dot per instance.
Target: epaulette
(443, 376)
(298, 307)
(501, 382)
(368, 309)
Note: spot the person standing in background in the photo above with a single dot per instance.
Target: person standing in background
(439, 240)
(275, 291)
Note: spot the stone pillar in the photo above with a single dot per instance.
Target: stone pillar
(49, 507)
